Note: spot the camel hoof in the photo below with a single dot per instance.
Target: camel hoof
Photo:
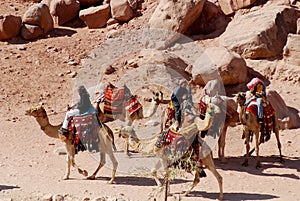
(65, 177)
(85, 173)
(91, 177)
(111, 181)
(220, 198)
(245, 164)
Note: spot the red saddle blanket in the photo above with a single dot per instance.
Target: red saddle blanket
(132, 105)
(181, 150)
(202, 108)
(113, 100)
(86, 128)
(268, 117)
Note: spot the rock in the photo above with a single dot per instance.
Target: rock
(47, 2)
(29, 32)
(218, 62)
(58, 198)
(121, 10)
(64, 10)
(39, 15)
(261, 33)
(87, 3)
(73, 74)
(9, 26)
(21, 47)
(291, 51)
(60, 151)
(95, 17)
(133, 4)
(109, 70)
(175, 16)
(47, 197)
(287, 117)
(230, 6)
(112, 21)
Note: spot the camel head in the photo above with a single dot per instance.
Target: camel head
(240, 98)
(38, 111)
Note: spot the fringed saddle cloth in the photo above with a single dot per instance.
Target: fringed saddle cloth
(86, 129)
(268, 118)
(178, 146)
(132, 105)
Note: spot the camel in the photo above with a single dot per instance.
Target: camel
(250, 123)
(104, 144)
(148, 146)
(144, 112)
(230, 119)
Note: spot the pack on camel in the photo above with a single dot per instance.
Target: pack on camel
(185, 149)
(224, 102)
(119, 103)
(104, 135)
(249, 119)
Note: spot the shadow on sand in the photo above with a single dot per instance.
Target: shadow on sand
(4, 187)
(268, 162)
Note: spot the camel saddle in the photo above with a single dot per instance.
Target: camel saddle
(86, 129)
(268, 118)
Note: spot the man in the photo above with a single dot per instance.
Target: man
(180, 93)
(84, 105)
(258, 90)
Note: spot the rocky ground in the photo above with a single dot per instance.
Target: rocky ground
(45, 71)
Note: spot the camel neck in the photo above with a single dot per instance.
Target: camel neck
(49, 130)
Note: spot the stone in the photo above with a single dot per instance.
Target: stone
(10, 26)
(39, 15)
(261, 33)
(291, 52)
(29, 32)
(219, 63)
(95, 17)
(121, 10)
(230, 6)
(64, 10)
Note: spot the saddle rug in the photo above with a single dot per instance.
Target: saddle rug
(268, 119)
(86, 128)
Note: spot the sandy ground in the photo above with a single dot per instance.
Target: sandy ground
(30, 168)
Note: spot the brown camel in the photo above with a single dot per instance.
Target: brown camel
(104, 144)
(148, 146)
(250, 123)
(231, 118)
(149, 108)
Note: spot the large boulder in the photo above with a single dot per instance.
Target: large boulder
(287, 117)
(230, 6)
(298, 26)
(29, 32)
(95, 17)
(291, 53)
(261, 33)
(64, 10)
(218, 62)
(9, 26)
(121, 10)
(175, 16)
(39, 15)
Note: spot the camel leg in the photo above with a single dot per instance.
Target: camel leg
(154, 173)
(101, 164)
(258, 165)
(247, 136)
(167, 183)
(222, 145)
(67, 175)
(115, 165)
(209, 163)
(195, 182)
(278, 143)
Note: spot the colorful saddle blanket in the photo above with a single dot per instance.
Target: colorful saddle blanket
(86, 128)
(116, 99)
(268, 118)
